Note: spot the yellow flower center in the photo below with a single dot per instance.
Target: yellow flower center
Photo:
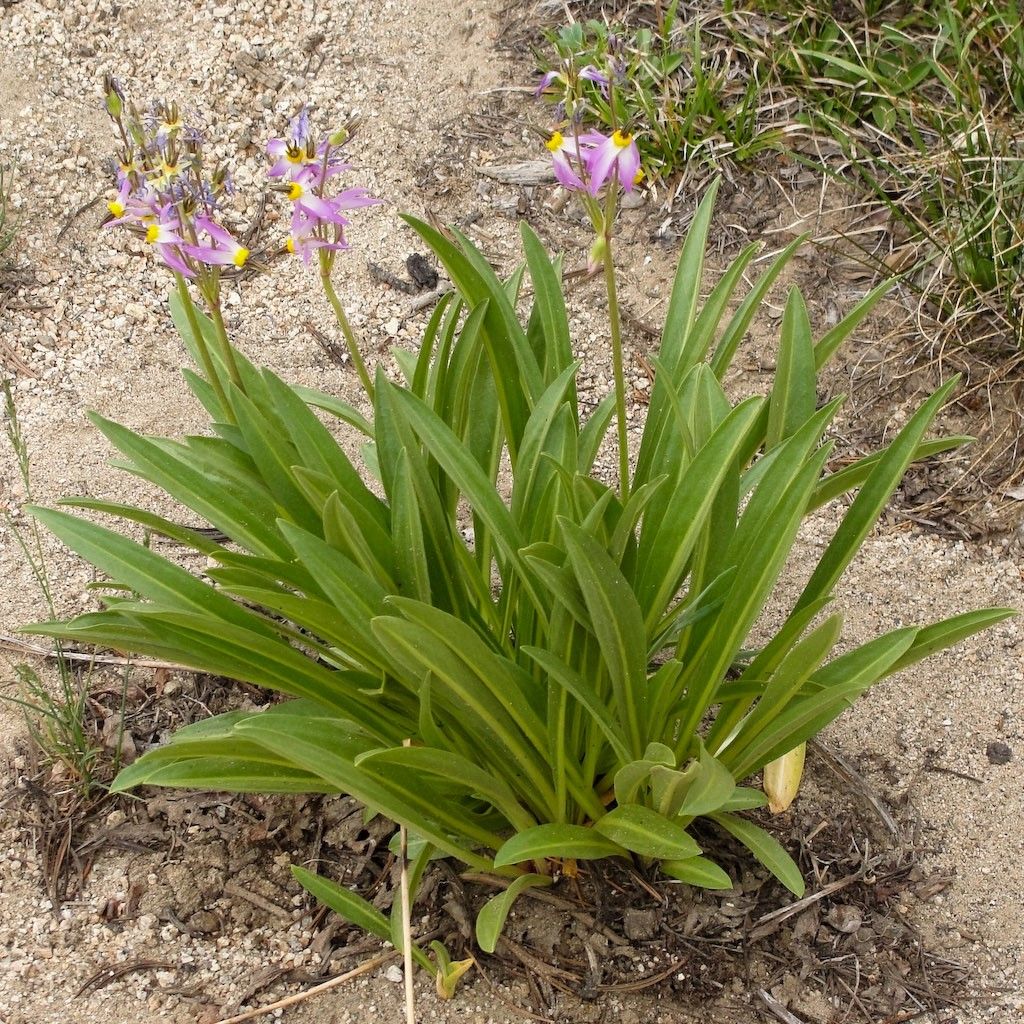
(152, 233)
(295, 191)
(620, 140)
(638, 177)
(116, 208)
(556, 142)
(241, 255)
(290, 245)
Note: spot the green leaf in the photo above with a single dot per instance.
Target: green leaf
(941, 635)
(231, 505)
(593, 433)
(312, 743)
(328, 403)
(516, 374)
(343, 901)
(191, 537)
(571, 681)
(666, 544)
(413, 567)
(274, 456)
(647, 833)
(471, 480)
(550, 305)
(561, 842)
(766, 849)
(697, 871)
(452, 766)
(871, 499)
(738, 325)
(711, 788)
(785, 682)
(794, 393)
(143, 570)
(492, 916)
(618, 626)
(831, 341)
(676, 350)
(631, 776)
(850, 477)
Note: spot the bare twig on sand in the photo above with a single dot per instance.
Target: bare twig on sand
(364, 968)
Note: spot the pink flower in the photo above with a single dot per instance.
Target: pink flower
(613, 157)
(302, 242)
(568, 152)
(164, 234)
(225, 250)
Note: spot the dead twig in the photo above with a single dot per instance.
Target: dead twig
(364, 968)
(770, 922)
(18, 646)
(106, 975)
(842, 768)
(234, 889)
(75, 214)
(423, 301)
(777, 1009)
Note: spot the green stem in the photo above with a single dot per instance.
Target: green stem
(226, 351)
(200, 342)
(620, 380)
(346, 328)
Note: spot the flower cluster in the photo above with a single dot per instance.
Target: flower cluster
(305, 168)
(588, 161)
(166, 195)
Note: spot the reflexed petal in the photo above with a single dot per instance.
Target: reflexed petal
(215, 231)
(601, 164)
(564, 172)
(628, 165)
(546, 79)
(172, 257)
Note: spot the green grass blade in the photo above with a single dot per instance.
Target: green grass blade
(766, 849)
(493, 914)
(645, 832)
(560, 842)
(871, 499)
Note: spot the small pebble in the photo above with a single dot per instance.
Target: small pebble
(998, 752)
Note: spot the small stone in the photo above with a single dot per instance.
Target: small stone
(998, 752)
(394, 973)
(391, 327)
(845, 919)
(641, 924)
(204, 921)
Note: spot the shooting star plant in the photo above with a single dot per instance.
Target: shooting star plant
(579, 682)
(597, 166)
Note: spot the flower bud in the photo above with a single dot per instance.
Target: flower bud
(345, 132)
(114, 97)
(597, 254)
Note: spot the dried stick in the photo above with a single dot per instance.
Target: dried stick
(18, 646)
(370, 965)
(410, 995)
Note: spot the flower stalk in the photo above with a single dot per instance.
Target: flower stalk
(615, 329)
(343, 323)
(200, 342)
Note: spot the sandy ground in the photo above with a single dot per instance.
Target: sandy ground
(92, 334)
